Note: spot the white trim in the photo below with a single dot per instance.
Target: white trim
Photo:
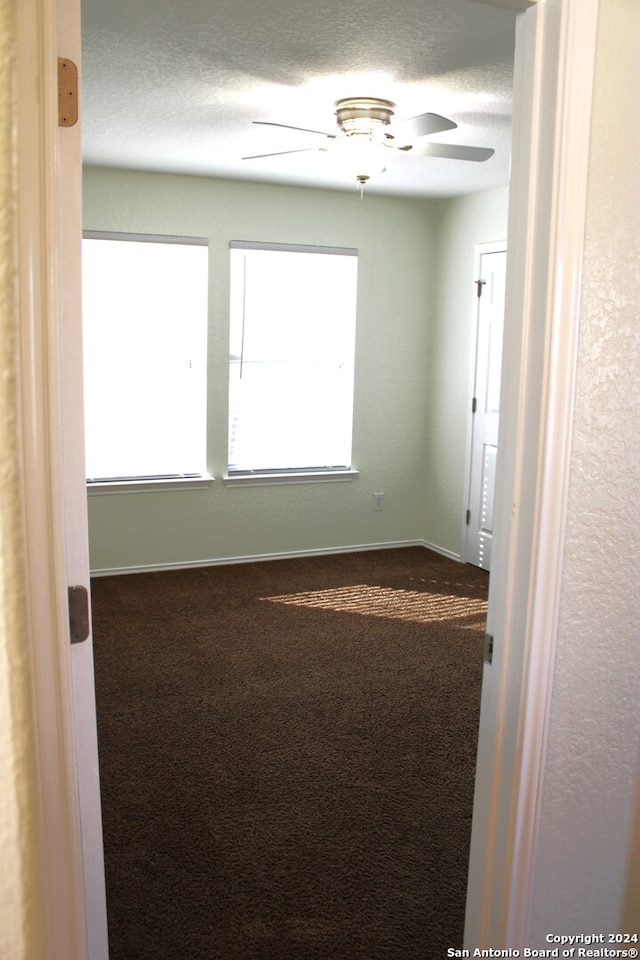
(292, 247)
(449, 554)
(145, 238)
(259, 557)
(99, 488)
(516, 5)
(574, 93)
(69, 287)
(275, 479)
(555, 52)
(59, 840)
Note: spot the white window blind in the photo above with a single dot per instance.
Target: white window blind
(292, 341)
(145, 352)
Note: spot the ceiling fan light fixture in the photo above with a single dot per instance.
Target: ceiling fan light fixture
(361, 156)
(364, 120)
(364, 115)
(364, 142)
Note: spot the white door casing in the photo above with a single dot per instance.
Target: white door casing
(57, 846)
(484, 407)
(69, 845)
(69, 241)
(553, 84)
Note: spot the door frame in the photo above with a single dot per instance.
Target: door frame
(553, 91)
(493, 246)
(555, 52)
(57, 847)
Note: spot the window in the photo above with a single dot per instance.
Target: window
(292, 340)
(145, 345)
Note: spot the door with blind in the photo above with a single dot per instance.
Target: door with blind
(491, 262)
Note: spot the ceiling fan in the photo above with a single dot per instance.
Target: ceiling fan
(367, 139)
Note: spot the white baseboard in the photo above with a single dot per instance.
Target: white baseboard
(442, 551)
(258, 557)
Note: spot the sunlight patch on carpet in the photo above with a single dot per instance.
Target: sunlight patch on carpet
(373, 601)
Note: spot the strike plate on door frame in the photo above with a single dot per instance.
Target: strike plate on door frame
(78, 614)
(67, 92)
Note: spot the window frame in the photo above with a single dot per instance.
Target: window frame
(291, 475)
(153, 482)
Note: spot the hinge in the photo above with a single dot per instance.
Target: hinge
(468, 520)
(487, 653)
(78, 614)
(480, 284)
(474, 405)
(67, 92)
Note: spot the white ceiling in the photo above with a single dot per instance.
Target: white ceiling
(174, 85)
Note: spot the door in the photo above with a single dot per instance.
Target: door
(485, 405)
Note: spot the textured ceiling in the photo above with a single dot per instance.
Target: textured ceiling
(174, 85)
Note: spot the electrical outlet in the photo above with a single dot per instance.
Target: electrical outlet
(378, 501)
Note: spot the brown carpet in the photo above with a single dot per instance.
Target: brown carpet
(287, 756)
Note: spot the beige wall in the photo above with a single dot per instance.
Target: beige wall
(588, 870)
(403, 343)
(396, 245)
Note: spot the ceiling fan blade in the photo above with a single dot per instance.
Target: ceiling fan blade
(282, 153)
(452, 151)
(286, 126)
(425, 124)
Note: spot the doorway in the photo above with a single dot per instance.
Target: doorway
(580, 26)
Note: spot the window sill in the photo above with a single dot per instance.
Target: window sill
(102, 487)
(276, 479)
